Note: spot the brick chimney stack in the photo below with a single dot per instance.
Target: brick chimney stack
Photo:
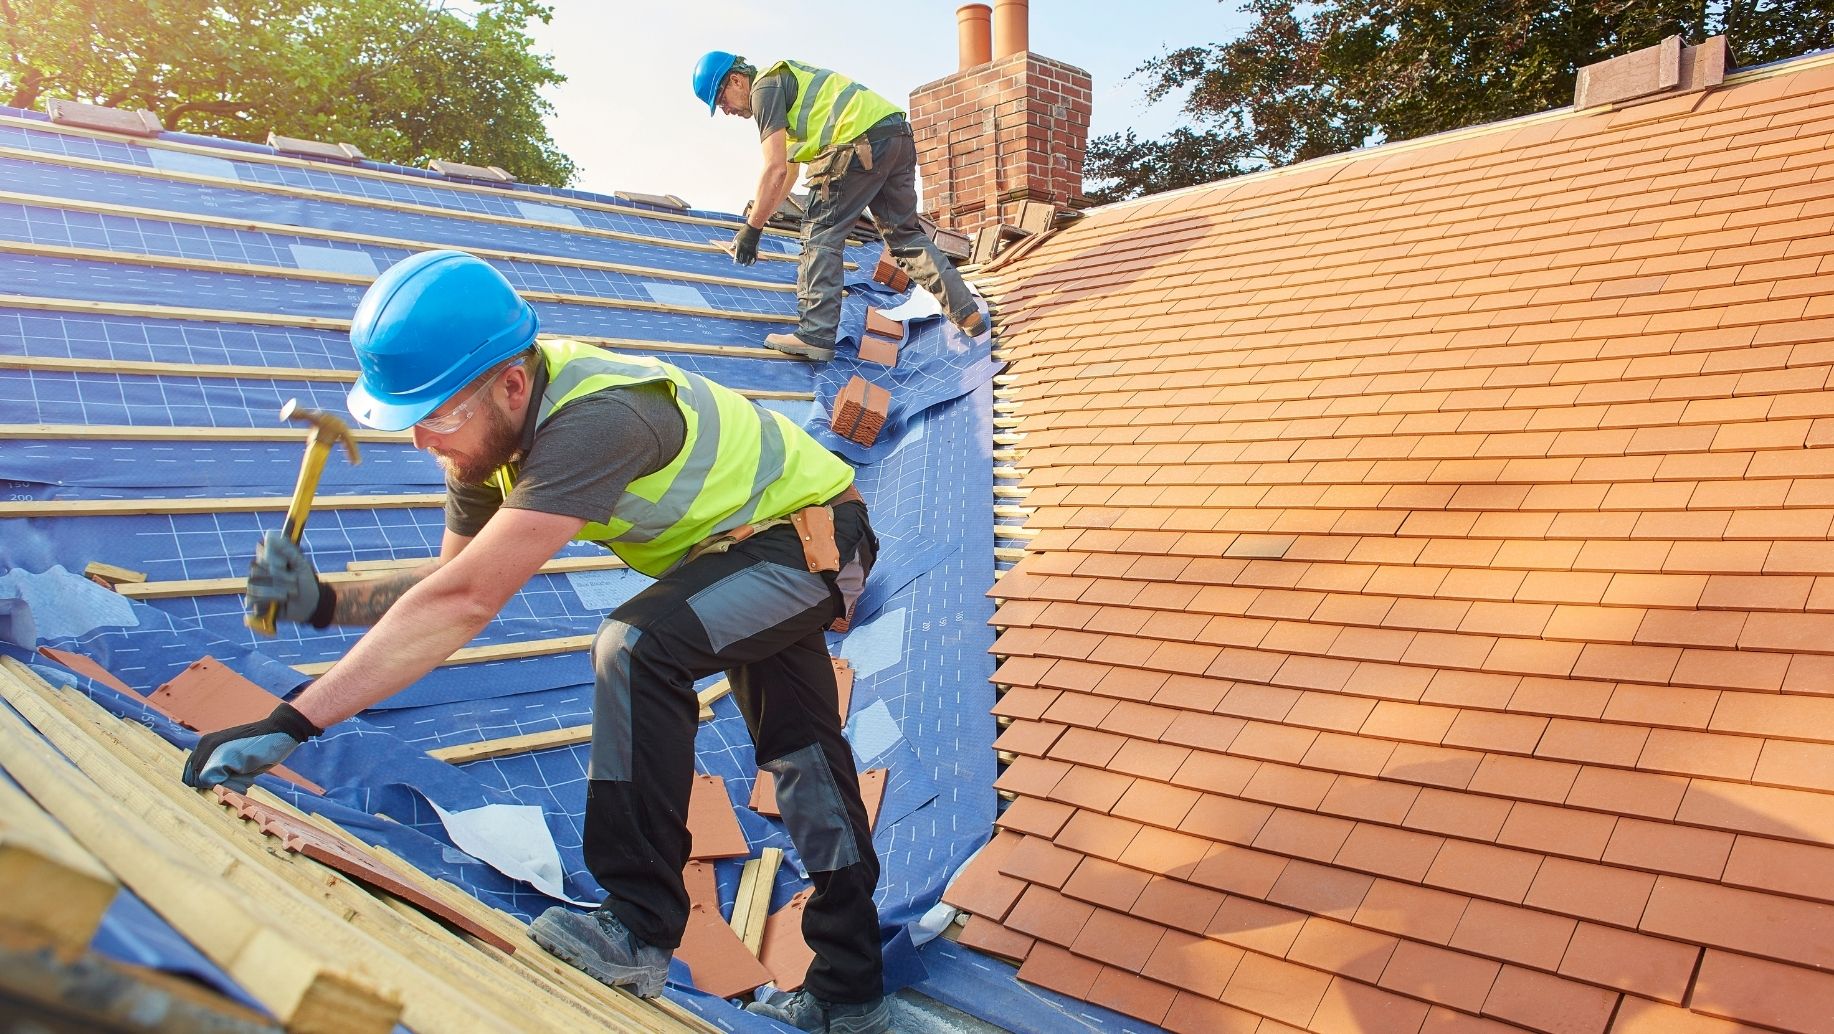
(1002, 131)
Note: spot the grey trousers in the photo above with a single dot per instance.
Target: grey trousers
(889, 189)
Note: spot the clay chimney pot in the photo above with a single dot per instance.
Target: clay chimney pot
(1010, 30)
(973, 27)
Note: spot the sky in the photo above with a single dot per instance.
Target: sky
(627, 115)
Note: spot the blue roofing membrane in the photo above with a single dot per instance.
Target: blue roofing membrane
(108, 251)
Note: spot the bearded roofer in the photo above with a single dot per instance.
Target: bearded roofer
(546, 442)
(857, 151)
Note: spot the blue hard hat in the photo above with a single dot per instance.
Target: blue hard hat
(427, 327)
(710, 74)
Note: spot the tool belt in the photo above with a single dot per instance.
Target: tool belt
(814, 526)
(827, 168)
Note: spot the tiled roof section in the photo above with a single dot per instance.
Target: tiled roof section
(1430, 619)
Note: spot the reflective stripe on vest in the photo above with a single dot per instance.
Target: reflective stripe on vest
(738, 463)
(838, 108)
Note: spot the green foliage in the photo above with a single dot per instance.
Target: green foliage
(1311, 79)
(402, 80)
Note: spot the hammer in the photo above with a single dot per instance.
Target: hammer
(327, 431)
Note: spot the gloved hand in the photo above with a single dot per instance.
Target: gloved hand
(281, 575)
(745, 244)
(234, 757)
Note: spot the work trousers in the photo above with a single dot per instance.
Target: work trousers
(889, 189)
(758, 614)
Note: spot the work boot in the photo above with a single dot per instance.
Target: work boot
(972, 323)
(804, 1011)
(598, 944)
(796, 346)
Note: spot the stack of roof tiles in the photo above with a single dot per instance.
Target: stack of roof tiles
(1430, 625)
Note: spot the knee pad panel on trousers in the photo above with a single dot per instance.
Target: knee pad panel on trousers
(756, 598)
(810, 801)
(611, 712)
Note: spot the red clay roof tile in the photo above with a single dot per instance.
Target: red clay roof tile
(1741, 988)
(1513, 934)
(1437, 975)
(1276, 989)
(1349, 1007)
(1048, 965)
(1548, 1003)
(1197, 1014)
(981, 887)
(1247, 923)
(1641, 965)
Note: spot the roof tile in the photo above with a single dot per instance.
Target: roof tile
(1548, 1003)
(1742, 988)
(1589, 891)
(1052, 967)
(1033, 815)
(1555, 830)
(1729, 917)
(987, 936)
(1389, 852)
(1349, 1007)
(1416, 912)
(1632, 962)
(1373, 799)
(1117, 939)
(1483, 869)
(1801, 869)
(1639, 1016)
(1037, 860)
(1195, 1014)
(1276, 989)
(1437, 975)
(1513, 934)
(1193, 963)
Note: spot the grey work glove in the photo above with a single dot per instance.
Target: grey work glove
(745, 244)
(281, 575)
(233, 757)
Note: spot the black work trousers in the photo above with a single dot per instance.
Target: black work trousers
(758, 614)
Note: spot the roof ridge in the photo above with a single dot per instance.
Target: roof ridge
(1391, 148)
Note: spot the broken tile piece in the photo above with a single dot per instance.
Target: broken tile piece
(302, 837)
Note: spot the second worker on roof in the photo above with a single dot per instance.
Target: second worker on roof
(859, 155)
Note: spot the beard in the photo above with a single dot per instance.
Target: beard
(498, 448)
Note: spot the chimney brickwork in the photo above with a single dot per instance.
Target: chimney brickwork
(997, 134)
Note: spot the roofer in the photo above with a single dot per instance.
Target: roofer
(857, 151)
(545, 442)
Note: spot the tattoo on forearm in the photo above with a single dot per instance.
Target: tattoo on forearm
(363, 603)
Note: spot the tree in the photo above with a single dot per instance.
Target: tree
(401, 80)
(1308, 79)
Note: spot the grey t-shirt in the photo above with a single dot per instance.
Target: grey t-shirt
(771, 97)
(580, 461)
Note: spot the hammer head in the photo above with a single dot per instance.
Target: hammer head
(325, 427)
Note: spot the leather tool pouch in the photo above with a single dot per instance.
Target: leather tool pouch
(827, 169)
(815, 527)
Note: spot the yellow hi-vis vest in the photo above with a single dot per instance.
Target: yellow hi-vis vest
(830, 109)
(739, 463)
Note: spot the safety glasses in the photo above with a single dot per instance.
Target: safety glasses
(446, 423)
